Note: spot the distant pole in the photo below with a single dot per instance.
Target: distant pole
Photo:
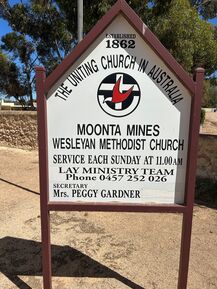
(80, 19)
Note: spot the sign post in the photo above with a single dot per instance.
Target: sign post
(190, 185)
(118, 124)
(43, 174)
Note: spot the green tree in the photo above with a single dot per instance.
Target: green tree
(50, 27)
(209, 93)
(177, 23)
(23, 51)
(94, 10)
(45, 25)
(10, 84)
(206, 8)
(190, 39)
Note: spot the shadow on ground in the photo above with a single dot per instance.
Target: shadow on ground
(19, 186)
(23, 257)
(206, 192)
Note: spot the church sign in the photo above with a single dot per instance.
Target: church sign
(118, 124)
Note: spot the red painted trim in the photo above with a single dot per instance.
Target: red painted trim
(193, 138)
(43, 173)
(121, 7)
(190, 180)
(107, 207)
(169, 60)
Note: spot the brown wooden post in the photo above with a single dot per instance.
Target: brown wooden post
(190, 180)
(43, 173)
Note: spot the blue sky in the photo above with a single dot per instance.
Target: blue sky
(213, 21)
(5, 28)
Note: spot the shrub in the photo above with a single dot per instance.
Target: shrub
(206, 191)
(202, 116)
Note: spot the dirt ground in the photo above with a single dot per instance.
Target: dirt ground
(210, 124)
(95, 250)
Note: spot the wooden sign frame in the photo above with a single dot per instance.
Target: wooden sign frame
(44, 84)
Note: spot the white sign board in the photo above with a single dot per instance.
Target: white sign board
(118, 123)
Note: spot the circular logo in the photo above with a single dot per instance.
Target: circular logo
(118, 94)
